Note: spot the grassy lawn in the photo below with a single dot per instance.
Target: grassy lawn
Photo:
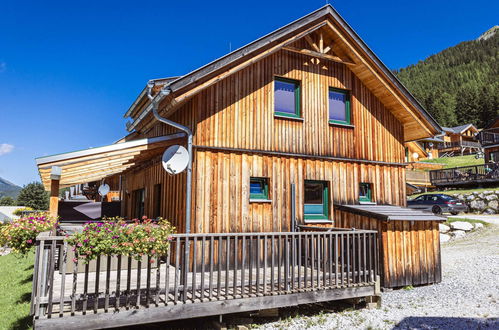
(457, 161)
(15, 291)
(457, 218)
(455, 191)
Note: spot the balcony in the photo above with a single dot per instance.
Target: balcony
(488, 138)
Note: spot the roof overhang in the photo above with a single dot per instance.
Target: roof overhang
(95, 164)
(417, 122)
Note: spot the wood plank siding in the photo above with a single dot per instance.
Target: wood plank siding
(221, 189)
(409, 251)
(238, 112)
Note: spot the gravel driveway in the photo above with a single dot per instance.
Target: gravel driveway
(466, 299)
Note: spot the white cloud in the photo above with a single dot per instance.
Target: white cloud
(5, 148)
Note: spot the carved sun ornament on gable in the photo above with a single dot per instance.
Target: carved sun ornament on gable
(320, 46)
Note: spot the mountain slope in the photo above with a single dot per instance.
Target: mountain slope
(460, 84)
(7, 188)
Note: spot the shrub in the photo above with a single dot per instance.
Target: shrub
(115, 237)
(20, 211)
(20, 234)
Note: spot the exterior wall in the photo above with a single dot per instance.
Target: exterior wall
(409, 250)
(238, 112)
(222, 189)
(172, 205)
(488, 151)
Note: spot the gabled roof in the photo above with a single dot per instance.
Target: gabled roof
(458, 129)
(186, 86)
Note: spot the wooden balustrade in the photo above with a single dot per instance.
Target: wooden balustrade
(465, 175)
(217, 267)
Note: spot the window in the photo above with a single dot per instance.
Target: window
(259, 188)
(494, 156)
(339, 106)
(157, 201)
(365, 192)
(287, 97)
(138, 203)
(316, 200)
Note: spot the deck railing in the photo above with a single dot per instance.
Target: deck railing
(487, 138)
(465, 175)
(462, 144)
(217, 267)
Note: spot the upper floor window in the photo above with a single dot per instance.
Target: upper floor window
(339, 106)
(287, 97)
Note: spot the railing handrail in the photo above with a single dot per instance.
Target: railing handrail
(216, 266)
(46, 237)
(461, 167)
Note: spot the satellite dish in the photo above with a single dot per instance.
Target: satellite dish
(415, 155)
(175, 159)
(103, 189)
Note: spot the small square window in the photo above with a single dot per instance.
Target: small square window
(365, 192)
(339, 106)
(259, 188)
(316, 200)
(287, 97)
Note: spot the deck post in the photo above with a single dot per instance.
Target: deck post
(55, 177)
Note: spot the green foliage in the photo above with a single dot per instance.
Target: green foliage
(115, 237)
(7, 201)
(457, 161)
(15, 284)
(34, 195)
(20, 234)
(19, 211)
(458, 85)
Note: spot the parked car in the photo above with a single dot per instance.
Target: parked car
(438, 203)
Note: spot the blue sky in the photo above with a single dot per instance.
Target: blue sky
(69, 70)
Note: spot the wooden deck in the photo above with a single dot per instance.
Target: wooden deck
(465, 175)
(223, 273)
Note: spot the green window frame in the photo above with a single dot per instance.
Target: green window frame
(368, 196)
(263, 184)
(297, 92)
(348, 117)
(324, 215)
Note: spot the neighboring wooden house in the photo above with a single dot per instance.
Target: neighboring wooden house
(459, 140)
(298, 128)
(489, 139)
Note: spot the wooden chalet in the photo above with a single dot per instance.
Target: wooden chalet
(459, 140)
(290, 135)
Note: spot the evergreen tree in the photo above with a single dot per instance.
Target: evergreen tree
(7, 201)
(459, 85)
(34, 195)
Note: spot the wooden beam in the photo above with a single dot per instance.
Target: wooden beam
(186, 311)
(321, 43)
(316, 54)
(312, 43)
(54, 197)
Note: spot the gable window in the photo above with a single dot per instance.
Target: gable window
(259, 188)
(286, 97)
(365, 192)
(138, 203)
(339, 106)
(316, 200)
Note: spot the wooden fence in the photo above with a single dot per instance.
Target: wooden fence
(238, 267)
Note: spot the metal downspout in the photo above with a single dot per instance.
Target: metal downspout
(155, 102)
